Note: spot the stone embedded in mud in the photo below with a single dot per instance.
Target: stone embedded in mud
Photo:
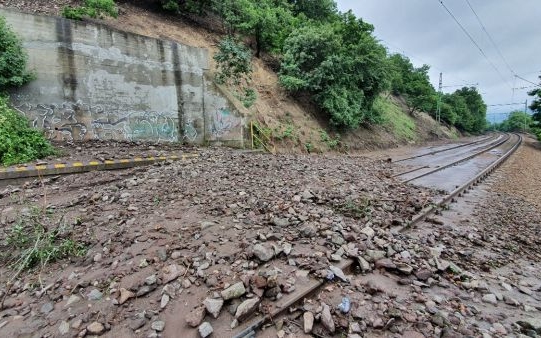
(308, 318)
(171, 272)
(234, 291)
(326, 318)
(95, 328)
(490, 298)
(531, 324)
(363, 264)
(280, 222)
(246, 309)
(423, 274)
(158, 325)
(196, 316)
(374, 255)
(205, 330)
(263, 253)
(213, 306)
(125, 295)
(385, 263)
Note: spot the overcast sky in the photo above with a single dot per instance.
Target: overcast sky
(425, 32)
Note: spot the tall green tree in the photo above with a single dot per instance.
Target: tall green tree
(320, 10)
(413, 84)
(340, 64)
(535, 106)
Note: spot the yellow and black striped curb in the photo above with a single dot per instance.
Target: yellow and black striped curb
(23, 171)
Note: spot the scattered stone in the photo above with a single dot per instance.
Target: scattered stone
(368, 231)
(47, 308)
(137, 323)
(98, 257)
(196, 316)
(374, 255)
(363, 264)
(72, 300)
(170, 273)
(205, 330)
(234, 291)
(246, 309)
(213, 306)
(490, 298)
(423, 274)
(95, 294)
(164, 301)
(125, 295)
(338, 273)
(326, 318)
(95, 328)
(158, 325)
(385, 263)
(150, 280)
(64, 328)
(263, 253)
(280, 222)
(499, 328)
(308, 321)
(531, 324)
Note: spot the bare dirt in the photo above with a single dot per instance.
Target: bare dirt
(274, 109)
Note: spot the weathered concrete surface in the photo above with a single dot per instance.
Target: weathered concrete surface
(94, 82)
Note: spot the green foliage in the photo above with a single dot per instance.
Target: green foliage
(535, 106)
(320, 10)
(395, 120)
(413, 84)
(331, 142)
(360, 208)
(171, 6)
(32, 243)
(234, 62)
(340, 64)
(517, 121)
(286, 131)
(92, 9)
(18, 142)
(13, 59)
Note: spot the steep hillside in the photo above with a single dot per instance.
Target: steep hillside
(292, 122)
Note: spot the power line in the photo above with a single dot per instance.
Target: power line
(474, 42)
(505, 104)
(490, 38)
(520, 77)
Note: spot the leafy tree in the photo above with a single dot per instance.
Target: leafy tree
(413, 84)
(517, 121)
(340, 64)
(13, 59)
(320, 10)
(476, 107)
(536, 104)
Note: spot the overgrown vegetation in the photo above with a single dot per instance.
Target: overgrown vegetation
(92, 9)
(396, 121)
(334, 58)
(13, 72)
(536, 108)
(234, 62)
(18, 142)
(519, 121)
(30, 242)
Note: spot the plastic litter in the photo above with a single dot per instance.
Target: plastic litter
(345, 306)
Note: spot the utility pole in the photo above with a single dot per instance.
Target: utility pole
(438, 109)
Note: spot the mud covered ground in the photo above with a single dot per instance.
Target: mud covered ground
(161, 250)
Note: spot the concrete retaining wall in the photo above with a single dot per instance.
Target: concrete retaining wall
(94, 82)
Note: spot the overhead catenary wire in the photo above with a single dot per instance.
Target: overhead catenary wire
(490, 38)
(474, 42)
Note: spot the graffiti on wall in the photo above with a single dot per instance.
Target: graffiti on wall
(223, 122)
(77, 121)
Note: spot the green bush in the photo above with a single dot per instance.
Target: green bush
(13, 59)
(18, 142)
(91, 8)
(234, 62)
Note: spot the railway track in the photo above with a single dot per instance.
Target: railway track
(508, 143)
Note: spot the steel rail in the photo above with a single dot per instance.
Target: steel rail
(443, 150)
(250, 330)
(464, 159)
